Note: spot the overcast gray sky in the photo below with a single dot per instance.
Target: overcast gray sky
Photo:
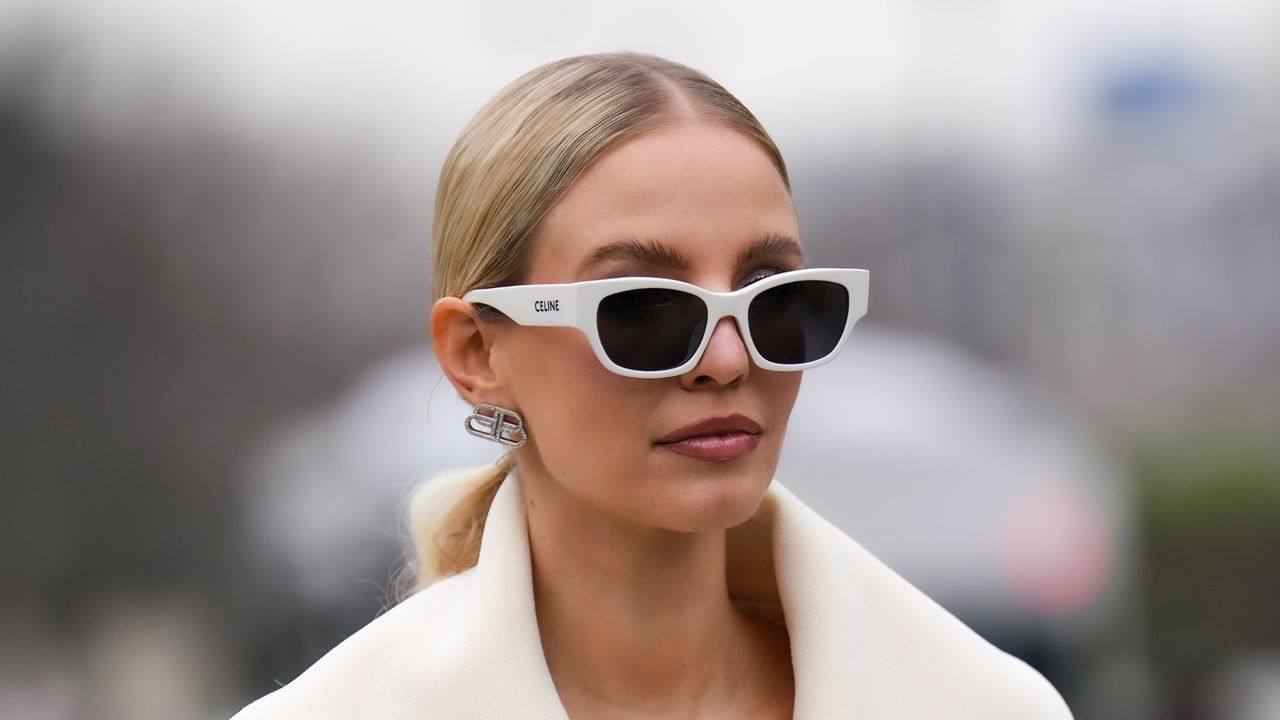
(1002, 73)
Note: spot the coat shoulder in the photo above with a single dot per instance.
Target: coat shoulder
(1032, 696)
(369, 673)
(903, 653)
(968, 673)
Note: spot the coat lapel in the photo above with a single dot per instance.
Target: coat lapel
(783, 566)
(780, 565)
(865, 643)
(506, 663)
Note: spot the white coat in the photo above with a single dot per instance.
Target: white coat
(865, 643)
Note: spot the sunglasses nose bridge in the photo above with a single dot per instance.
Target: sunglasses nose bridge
(733, 306)
(718, 309)
(723, 358)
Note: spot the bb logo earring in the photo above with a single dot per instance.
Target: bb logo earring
(497, 424)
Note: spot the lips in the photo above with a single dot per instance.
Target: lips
(715, 438)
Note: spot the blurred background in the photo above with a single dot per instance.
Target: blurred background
(1063, 408)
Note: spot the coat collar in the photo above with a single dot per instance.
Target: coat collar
(784, 565)
(864, 642)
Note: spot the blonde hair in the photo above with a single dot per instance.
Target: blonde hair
(508, 167)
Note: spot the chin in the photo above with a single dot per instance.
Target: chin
(717, 501)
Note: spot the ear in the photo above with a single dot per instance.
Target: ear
(462, 343)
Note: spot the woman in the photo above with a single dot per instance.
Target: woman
(623, 297)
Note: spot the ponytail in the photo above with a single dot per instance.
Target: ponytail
(446, 522)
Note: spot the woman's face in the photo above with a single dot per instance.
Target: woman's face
(696, 202)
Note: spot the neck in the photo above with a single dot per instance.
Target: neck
(634, 616)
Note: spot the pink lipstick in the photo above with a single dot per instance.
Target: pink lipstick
(717, 439)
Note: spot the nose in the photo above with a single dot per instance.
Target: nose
(724, 362)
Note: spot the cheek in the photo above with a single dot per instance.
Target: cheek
(776, 393)
(783, 397)
(568, 397)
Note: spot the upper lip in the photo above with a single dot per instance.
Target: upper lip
(719, 425)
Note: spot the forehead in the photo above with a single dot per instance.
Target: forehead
(703, 191)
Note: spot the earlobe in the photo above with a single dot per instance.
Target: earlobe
(462, 346)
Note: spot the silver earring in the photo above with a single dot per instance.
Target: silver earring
(497, 424)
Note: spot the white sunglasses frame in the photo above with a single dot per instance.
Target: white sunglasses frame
(575, 305)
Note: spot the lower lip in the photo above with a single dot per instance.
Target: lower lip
(715, 447)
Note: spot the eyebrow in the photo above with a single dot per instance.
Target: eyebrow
(771, 245)
(647, 252)
(653, 253)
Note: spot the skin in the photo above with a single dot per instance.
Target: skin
(628, 538)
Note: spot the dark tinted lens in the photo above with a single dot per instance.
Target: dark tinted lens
(798, 322)
(651, 329)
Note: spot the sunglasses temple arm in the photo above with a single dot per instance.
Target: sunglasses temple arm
(533, 305)
(862, 283)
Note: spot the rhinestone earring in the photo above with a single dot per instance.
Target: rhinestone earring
(497, 424)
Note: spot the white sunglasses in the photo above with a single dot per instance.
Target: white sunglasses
(646, 327)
